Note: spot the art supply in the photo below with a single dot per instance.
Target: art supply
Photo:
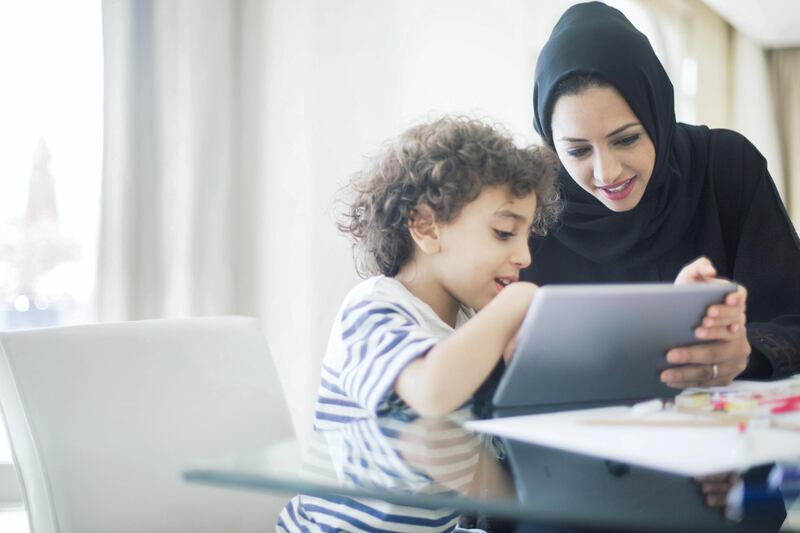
(644, 421)
(712, 409)
(779, 399)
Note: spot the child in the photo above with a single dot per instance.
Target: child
(441, 221)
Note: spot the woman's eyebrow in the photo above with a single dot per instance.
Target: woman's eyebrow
(623, 128)
(618, 130)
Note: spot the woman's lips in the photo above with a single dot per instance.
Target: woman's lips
(619, 191)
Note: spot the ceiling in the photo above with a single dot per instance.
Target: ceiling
(770, 23)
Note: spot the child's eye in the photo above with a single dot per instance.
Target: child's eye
(503, 235)
(629, 140)
(578, 152)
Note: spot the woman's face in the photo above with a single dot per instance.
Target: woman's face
(603, 146)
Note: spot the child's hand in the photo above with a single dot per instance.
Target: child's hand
(698, 271)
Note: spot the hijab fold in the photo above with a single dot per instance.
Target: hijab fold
(593, 38)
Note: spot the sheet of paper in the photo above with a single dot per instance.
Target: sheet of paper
(691, 451)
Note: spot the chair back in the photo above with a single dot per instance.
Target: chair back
(103, 419)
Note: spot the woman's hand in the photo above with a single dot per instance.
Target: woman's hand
(715, 488)
(725, 357)
(698, 271)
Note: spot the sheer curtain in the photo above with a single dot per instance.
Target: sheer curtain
(785, 70)
(753, 107)
(177, 199)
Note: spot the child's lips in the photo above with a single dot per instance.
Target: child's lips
(502, 282)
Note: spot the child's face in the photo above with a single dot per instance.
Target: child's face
(485, 246)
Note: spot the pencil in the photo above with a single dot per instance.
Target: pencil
(661, 423)
(712, 422)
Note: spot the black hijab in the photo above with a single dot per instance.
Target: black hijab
(596, 39)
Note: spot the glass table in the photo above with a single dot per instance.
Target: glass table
(399, 473)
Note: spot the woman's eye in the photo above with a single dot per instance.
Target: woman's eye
(578, 152)
(629, 140)
(503, 235)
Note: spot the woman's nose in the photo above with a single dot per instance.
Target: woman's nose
(607, 168)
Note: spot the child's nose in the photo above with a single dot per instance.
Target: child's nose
(522, 254)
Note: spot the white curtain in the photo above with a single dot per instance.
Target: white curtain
(176, 203)
(753, 107)
(785, 70)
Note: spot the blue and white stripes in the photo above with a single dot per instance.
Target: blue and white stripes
(380, 329)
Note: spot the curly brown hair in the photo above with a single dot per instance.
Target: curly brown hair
(444, 164)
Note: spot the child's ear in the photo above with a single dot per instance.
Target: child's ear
(424, 230)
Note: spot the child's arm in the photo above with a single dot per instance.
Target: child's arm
(442, 380)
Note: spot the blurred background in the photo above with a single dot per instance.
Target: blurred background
(166, 158)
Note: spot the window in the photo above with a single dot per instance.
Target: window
(50, 160)
(51, 146)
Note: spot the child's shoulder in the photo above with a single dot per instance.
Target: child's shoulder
(379, 288)
(387, 296)
(381, 291)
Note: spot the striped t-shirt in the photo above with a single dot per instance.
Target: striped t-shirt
(380, 328)
(389, 453)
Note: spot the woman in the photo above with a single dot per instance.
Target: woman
(644, 195)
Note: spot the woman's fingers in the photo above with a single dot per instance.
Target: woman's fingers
(715, 488)
(707, 365)
(719, 333)
(730, 312)
(723, 315)
(699, 376)
(697, 271)
(702, 354)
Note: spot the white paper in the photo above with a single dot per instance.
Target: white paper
(692, 451)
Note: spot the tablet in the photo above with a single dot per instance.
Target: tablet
(587, 345)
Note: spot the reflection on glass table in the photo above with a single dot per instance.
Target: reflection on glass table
(399, 473)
